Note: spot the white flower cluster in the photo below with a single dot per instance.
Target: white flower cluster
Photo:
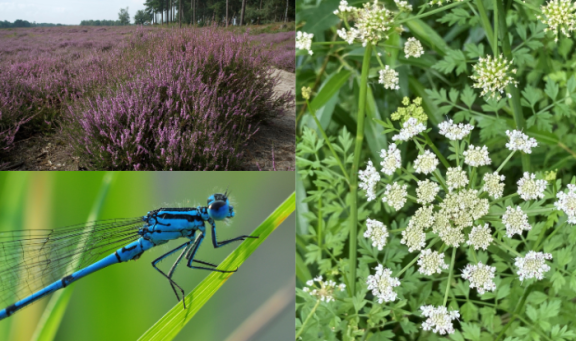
(343, 8)
(403, 6)
(410, 128)
(533, 265)
(431, 262)
(325, 292)
(529, 188)
(382, 284)
(560, 16)
(413, 237)
(304, 41)
(456, 178)
(426, 163)
(455, 131)
(413, 48)
(492, 75)
(368, 180)
(376, 231)
(520, 141)
(395, 195)
(372, 23)
(477, 156)
(480, 276)
(567, 203)
(515, 221)
(480, 237)
(426, 191)
(391, 159)
(441, 2)
(439, 319)
(493, 184)
(389, 77)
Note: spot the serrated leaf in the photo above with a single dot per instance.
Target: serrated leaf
(470, 331)
(551, 89)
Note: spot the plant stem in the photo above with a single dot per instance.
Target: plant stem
(408, 265)
(434, 11)
(486, 25)
(505, 161)
(518, 308)
(354, 173)
(457, 152)
(307, 319)
(537, 245)
(320, 222)
(436, 151)
(508, 248)
(449, 276)
(495, 37)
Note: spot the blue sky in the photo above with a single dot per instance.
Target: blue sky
(69, 12)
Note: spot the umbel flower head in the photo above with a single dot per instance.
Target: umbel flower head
(515, 221)
(377, 232)
(441, 2)
(368, 180)
(389, 77)
(431, 262)
(304, 41)
(477, 156)
(373, 22)
(520, 141)
(439, 319)
(454, 131)
(324, 291)
(480, 237)
(391, 159)
(413, 110)
(413, 237)
(403, 6)
(480, 276)
(567, 203)
(493, 184)
(426, 163)
(382, 284)
(493, 75)
(413, 48)
(395, 195)
(426, 191)
(533, 265)
(410, 128)
(560, 16)
(529, 188)
(456, 178)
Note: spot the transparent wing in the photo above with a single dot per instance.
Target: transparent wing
(33, 259)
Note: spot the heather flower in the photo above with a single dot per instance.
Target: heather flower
(480, 277)
(382, 284)
(515, 221)
(480, 237)
(493, 184)
(520, 141)
(413, 237)
(477, 156)
(304, 41)
(439, 319)
(368, 180)
(425, 163)
(410, 128)
(377, 232)
(426, 191)
(389, 77)
(493, 75)
(567, 203)
(456, 178)
(324, 291)
(413, 48)
(391, 159)
(529, 188)
(533, 265)
(431, 262)
(403, 6)
(395, 195)
(454, 131)
(560, 16)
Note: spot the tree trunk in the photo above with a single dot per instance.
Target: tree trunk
(226, 13)
(180, 15)
(286, 14)
(242, 13)
(162, 17)
(194, 12)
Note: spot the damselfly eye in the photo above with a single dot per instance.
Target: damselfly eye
(219, 207)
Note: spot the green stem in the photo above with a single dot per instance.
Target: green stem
(449, 276)
(307, 319)
(440, 179)
(320, 221)
(495, 36)
(518, 308)
(436, 151)
(537, 245)
(407, 266)
(505, 161)
(457, 151)
(504, 198)
(486, 25)
(508, 248)
(434, 11)
(356, 161)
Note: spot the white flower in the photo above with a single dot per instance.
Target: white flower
(480, 276)
(452, 236)
(410, 128)
(492, 75)
(439, 319)
(533, 265)
(382, 284)
(520, 141)
(529, 188)
(567, 203)
(480, 237)
(403, 6)
(373, 23)
(349, 35)
(343, 8)
(455, 131)
(456, 178)
(413, 237)
(493, 185)
(395, 195)
(391, 159)
(304, 41)
(426, 191)
(441, 2)
(477, 156)
(389, 78)
(376, 231)
(425, 163)
(324, 292)
(369, 178)
(431, 262)
(413, 48)
(423, 217)
(560, 16)
(515, 221)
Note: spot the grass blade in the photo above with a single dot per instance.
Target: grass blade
(170, 324)
(54, 311)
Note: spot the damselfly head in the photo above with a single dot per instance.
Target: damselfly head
(219, 207)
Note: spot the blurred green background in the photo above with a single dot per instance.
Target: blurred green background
(122, 301)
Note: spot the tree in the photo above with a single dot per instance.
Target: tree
(141, 17)
(124, 16)
(242, 12)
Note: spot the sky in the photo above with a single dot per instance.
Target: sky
(68, 12)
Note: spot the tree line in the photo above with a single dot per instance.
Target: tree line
(24, 23)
